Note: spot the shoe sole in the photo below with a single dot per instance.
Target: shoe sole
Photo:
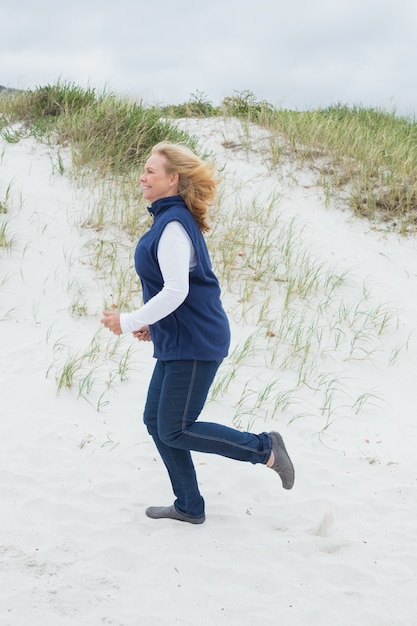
(169, 512)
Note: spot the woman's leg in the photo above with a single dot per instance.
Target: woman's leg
(176, 397)
(178, 463)
(186, 385)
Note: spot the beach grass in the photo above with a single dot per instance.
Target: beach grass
(107, 134)
(365, 158)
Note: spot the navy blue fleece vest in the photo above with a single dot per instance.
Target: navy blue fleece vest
(198, 328)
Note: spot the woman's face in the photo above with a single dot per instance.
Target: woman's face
(156, 183)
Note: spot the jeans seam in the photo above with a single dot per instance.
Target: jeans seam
(188, 400)
(226, 441)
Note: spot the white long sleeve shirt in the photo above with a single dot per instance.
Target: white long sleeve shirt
(176, 256)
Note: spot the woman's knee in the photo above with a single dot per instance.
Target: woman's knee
(169, 436)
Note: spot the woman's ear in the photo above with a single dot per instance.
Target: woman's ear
(175, 179)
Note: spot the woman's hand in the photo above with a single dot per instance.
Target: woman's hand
(142, 334)
(112, 321)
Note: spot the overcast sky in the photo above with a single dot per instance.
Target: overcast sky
(294, 53)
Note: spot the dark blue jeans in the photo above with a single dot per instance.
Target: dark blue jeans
(176, 396)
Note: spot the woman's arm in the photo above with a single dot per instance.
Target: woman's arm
(175, 256)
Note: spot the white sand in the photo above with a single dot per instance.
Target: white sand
(76, 546)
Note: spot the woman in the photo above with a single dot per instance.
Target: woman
(183, 316)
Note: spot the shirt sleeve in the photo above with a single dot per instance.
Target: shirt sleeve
(175, 255)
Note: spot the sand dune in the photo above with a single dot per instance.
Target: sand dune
(76, 546)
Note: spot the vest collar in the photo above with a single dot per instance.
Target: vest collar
(163, 204)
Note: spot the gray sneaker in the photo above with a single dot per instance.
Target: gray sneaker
(282, 462)
(170, 512)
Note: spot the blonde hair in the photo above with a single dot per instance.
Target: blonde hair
(197, 181)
